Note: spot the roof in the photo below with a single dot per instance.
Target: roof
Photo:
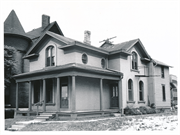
(161, 63)
(71, 65)
(68, 41)
(12, 25)
(36, 33)
(122, 46)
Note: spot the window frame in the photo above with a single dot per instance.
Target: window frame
(130, 90)
(141, 90)
(162, 72)
(84, 58)
(134, 61)
(50, 60)
(163, 92)
(103, 63)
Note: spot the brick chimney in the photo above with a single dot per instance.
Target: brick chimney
(87, 35)
(45, 21)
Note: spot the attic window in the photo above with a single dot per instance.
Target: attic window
(84, 58)
(103, 63)
(50, 54)
(134, 61)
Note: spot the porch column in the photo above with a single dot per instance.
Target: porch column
(120, 96)
(58, 95)
(101, 94)
(73, 96)
(16, 95)
(44, 95)
(30, 96)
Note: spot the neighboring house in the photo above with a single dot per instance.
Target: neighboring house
(173, 87)
(69, 76)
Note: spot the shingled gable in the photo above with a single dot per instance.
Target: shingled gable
(13, 26)
(35, 34)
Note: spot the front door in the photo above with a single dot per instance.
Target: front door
(114, 95)
(64, 96)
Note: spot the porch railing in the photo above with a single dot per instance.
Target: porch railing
(38, 104)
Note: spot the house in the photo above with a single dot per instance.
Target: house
(173, 88)
(74, 78)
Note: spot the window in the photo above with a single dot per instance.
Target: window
(103, 63)
(141, 91)
(130, 90)
(163, 93)
(162, 72)
(134, 61)
(49, 91)
(84, 58)
(50, 54)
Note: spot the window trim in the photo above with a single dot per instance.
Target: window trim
(52, 57)
(132, 61)
(163, 92)
(103, 66)
(141, 90)
(162, 72)
(130, 90)
(83, 59)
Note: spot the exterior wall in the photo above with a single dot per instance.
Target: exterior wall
(62, 57)
(125, 68)
(106, 95)
(114, 62)
(158, 88)
(87, 93)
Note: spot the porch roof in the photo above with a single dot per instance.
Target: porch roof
(67, 70)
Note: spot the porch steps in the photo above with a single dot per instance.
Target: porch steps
(40, 118)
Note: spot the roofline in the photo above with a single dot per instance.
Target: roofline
(138, 40)
(70, 66)
(77, 43)
(19, 35)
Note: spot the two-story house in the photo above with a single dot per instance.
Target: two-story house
(74, 78)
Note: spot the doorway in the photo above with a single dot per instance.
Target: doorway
(114, 95)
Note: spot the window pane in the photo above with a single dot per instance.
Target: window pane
(116, 91)
(53, 51)
(113, 92)
(48, 61)
(163, 92)
(64, 92)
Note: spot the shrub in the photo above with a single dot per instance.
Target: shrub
(132, 111)
(138, 111)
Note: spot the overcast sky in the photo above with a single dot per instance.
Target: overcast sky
(155, 23)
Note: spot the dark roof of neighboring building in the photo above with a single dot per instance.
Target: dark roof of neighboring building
(12, 25)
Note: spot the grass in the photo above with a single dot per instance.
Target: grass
(110, 123)
(106, 123)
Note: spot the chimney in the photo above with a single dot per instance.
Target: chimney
(87, 35)
(45, 20)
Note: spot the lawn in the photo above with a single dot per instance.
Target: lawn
(163, 121)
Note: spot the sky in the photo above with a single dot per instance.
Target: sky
(156, 23)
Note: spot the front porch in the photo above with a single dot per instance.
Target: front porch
(67, 114)
(72, 93)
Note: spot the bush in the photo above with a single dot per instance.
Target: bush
(139, 111)
(132, 111)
